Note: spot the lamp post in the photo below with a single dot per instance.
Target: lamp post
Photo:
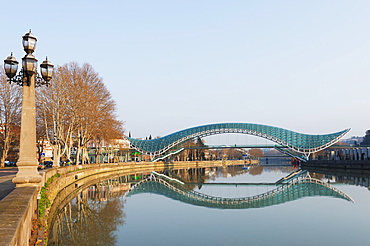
(28, 78)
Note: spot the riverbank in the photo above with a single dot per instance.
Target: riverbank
(337, 164)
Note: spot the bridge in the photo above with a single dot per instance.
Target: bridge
(293, 189)
(303, 144)
(237, 146)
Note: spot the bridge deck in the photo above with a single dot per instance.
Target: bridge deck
(236, 146)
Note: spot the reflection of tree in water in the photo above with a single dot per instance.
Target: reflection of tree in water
(317, 175)
(256, 170)
(91, 218)
(231, 170)
(191, 175)
(201, 175)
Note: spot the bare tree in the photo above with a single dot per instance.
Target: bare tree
(108, 130)
(10, 114)
(76, 109)
(96, 118)
(255, 153)
(54, 110)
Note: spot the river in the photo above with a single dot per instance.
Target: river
(195, 207)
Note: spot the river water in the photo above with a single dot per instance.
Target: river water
(155, 213)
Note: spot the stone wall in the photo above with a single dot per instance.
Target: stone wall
(18, 211)
(338, 164)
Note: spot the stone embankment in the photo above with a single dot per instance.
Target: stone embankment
(18, 214)
(338, 164)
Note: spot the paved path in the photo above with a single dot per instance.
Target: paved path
(5, 188)
(8, 171)
(6, 184)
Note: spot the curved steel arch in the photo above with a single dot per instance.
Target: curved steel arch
(299, 142)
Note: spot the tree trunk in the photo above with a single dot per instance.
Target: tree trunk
(56, 155)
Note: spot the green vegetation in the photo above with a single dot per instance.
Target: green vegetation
(79, 169)
(44, 202)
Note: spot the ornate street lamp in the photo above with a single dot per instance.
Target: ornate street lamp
(28, 78)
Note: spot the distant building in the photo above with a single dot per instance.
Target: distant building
(352, 140)
(116, 143)
(366, 139)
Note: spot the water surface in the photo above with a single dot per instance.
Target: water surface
(103, 215)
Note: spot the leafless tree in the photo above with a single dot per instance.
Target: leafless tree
(10, 114)
(55, 114)
(76, 109)
(255, 153)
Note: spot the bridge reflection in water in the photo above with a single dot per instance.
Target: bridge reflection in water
(289, 191)
(94, 214)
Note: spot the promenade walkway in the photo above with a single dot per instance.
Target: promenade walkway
(6, 184)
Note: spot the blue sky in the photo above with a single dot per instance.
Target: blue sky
(170, 65)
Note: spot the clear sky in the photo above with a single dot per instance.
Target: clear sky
(170, 65)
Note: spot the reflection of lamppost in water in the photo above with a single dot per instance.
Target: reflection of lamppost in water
(28, 78)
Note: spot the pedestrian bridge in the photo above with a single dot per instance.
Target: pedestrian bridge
(292, 190)
(304, 144)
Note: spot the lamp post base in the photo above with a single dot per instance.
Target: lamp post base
(27, 176)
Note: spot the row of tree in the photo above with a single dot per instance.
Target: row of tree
(201, 154)
(76, 109)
